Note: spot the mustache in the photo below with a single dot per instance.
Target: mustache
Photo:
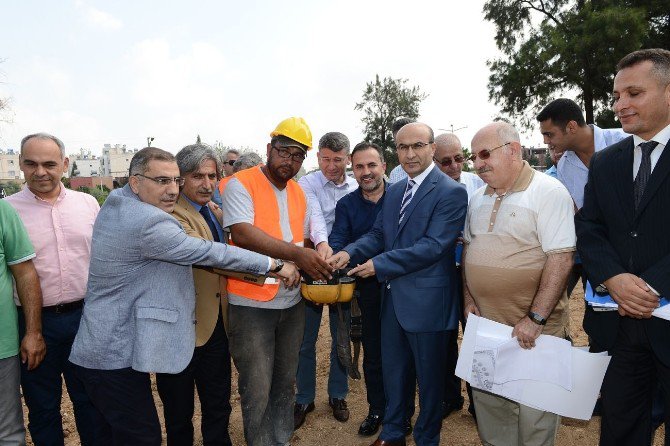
(483, 170)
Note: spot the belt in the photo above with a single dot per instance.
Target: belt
(63, 308)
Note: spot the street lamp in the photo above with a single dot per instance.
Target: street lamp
(453, 129)
(150, 139)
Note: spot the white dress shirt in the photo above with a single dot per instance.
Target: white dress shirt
(661, 138)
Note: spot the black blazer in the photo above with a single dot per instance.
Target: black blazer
(614, 238)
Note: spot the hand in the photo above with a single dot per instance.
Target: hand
(339, 260)
(33, 349)
(526, 332)
(633, 296)
(289, 275)
(311, 262)
(365, 270)
(216, 210)
(470, 308)
(324, 250)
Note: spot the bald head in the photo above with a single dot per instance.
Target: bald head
(449, 155)
(498, 133)
(414, 127)
(415, 147)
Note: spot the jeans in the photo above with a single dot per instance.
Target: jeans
(209, 370)
(264, 345)
(12, 432)
(338, 384)
(42, 386)
(369, 301)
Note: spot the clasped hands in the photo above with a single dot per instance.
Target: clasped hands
(341, 260)
(634, 297)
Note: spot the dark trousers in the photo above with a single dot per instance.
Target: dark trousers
(209, 370)
(125, 404)
(629, 387)
(401, 350)
(42, 387)
(369, 301)
(265, 344)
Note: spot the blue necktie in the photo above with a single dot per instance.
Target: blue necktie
(204, 211)
(409, 192)
(644, 172)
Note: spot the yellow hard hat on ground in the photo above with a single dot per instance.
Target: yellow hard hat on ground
(296, 129)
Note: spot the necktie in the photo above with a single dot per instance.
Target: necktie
(204, 211)
(645, 171)
(409, 192)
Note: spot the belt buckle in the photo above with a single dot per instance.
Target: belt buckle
(59, 309)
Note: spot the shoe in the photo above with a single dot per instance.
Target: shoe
(408, 427)
(370, 425)
(300, 412)
(340, 410)
(380, 442)
(451, 406)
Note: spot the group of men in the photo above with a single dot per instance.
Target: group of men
(164, 280)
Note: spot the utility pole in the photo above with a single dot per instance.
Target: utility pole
(452, 129)
(150, 139)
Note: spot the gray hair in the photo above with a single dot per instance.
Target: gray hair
(140, 161)
(507, 132)
(190, 158)
(448, 139)
(335, 141)
(234, 151)
(246, 161)
(45, 136)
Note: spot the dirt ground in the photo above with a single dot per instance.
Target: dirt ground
(320, 428)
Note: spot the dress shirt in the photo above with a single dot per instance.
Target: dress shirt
(61, 234)
(197, 207)
(323, 195)
(552, 171)
(661, 138)
(571, 170)
(471, 181)
(422, 176)
(397, 174)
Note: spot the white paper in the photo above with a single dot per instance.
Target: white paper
(485, 342)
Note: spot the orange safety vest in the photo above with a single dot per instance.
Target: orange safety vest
(222, 184)
(266, 218)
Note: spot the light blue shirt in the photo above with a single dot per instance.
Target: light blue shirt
(552, 172)
(571, 170)
(323, 196)
(397, 174)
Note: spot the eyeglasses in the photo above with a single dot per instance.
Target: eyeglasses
(485, 154)
(229, 162)
(447, 161)
(416, 146)
(164, 181)
(283, 152)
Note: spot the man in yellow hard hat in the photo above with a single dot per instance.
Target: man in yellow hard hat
(267, 212)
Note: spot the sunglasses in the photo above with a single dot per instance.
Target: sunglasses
(485, 153)
(230, 163)
(447, 161)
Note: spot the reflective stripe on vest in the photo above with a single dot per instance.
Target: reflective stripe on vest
(266, 218)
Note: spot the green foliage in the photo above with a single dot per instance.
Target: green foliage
(383, 101)
(559, 47)
(467, 165)
(547, 161)
(75, 170)
(99, 195)
(11, 187)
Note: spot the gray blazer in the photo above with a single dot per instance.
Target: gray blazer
(139, 307)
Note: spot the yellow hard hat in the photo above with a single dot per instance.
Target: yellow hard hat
(296, 129)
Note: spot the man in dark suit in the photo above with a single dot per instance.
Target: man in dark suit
(411, 251)
(623, 240)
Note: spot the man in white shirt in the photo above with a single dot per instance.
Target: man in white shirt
(449, 159)
(324, 189)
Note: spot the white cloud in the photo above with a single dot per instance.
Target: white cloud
(97, 18)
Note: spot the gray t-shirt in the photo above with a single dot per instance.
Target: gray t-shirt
(238, 207)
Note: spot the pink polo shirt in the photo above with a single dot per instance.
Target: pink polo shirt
(61, 234)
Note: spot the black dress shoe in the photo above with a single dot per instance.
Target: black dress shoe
(300, 412)
(408, 427)
(380, 442)
(452, 406)
(340, 410)
(370, 425)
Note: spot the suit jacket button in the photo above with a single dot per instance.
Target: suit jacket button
(218, 295)
(388, 286)
(633, 234)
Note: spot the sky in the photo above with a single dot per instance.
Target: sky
(94, 72)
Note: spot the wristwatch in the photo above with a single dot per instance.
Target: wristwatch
(539, 320)
(279, 265)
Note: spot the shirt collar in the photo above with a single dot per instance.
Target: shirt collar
(195, 205)
(521, 183)
(661, 137)
(345, 183)
(422, 176)
(61, 195)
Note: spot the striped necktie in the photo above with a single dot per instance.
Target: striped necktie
(409, 192)
(644, 172)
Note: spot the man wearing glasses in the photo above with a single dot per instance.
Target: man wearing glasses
(519, 242)
(139, 315)
(411, 250)
(268, 212)
(449, 159)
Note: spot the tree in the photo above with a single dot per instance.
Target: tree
(554, 47)
(383, 101)
(198, 140)
(75, 170)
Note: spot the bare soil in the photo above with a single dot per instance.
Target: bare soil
(320, 428)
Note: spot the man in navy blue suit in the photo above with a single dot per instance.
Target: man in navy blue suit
(410, 249)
